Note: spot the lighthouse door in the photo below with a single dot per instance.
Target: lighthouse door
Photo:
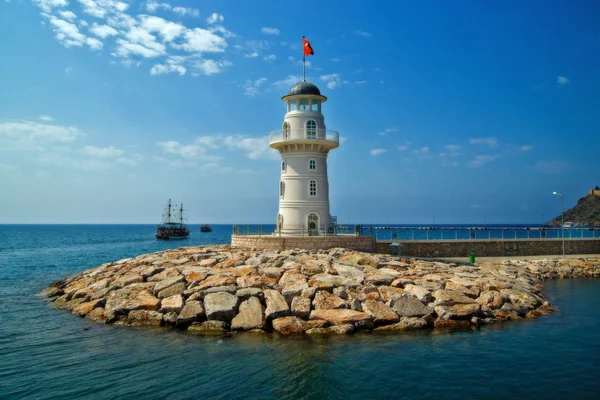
(279, 222)
(313, 225)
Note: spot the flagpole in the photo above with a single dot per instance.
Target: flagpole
(303, 68)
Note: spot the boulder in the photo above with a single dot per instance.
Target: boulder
(410, 306)
(195, 276)
(327, 301)
(451, 324)
(379, 279)
(220, 306)
(379, 312)
(208, 328)
(256, 280)
(450, 297)
(173, 303)
(217, 280)
(96, 315)
(405, 324)
(87, 307)
(126, 280)
(172, 290)
(350, 272)
(193, 311)
(170, 318)
(143, 301)
(293, 289)
(143, 318)
(301, 307)
(419, 292)
(359, 259)
(389, 293)
(245, 293)
(340, 316)
(277, 307)
(491, 300)
(250, 316)
(289, 325)
(458, 311)
(164, 284)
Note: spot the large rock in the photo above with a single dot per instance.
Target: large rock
(419, 292)
(127, 280)
(409, 306)
(193, 311)
(97, 315)
(245, 293)
(144, 318)
(458, 311)
(301, 307)
(389, 293)
(327, 301)
(277, 307)
(341, 317)
(450, 297)
(350, 272)
(217, 280)
(289, 325)
(164, 284)
(87, 307)
(250, 316)
(451, 324)
(491, 300)
(144, 301)
(256, 280)
(379, 279)
(220, 306)
(173, 303)
(405, 324)
(209, 328)
(293, 289)
(381, 314)
(360, 259)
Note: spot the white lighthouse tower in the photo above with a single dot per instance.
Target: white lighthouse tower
(304, 143)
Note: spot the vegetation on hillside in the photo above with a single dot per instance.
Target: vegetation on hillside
(585, 213)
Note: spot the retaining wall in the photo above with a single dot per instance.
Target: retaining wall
(491, 248)
(360, 243)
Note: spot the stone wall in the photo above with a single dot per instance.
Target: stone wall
(490, 248)
(360, 243)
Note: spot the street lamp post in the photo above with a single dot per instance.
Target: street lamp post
(562, 219)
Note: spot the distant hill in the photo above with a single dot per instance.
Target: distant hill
(585, 213)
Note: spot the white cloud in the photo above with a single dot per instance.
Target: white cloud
(270, 57)
(362, 33)
(68, 71)
(360, 82)
(402, 147)
(386, 131)
(127, 49)
(103, 152)
(68, 15)
(94, 44)
(552, 167)
(256, 148)
(159, 69)
(376, 152)
(453, 147)
(332, 80)
(48, 5)
(252, 88)
(270, 31)
(67, 33)
(214, 18)
(100, 8)
(189, 151)
(561, 80)
(526, 148)
(167, 30)
(45, 118)
(186, 11)
(103, 31)
(29, 135)
(61, 160)
(335, 59)
(288, 81)
(422, 151)
(153, 5)
(211, 67)
(251, 55)
(132, 160)
(481, 160)
(490, 142)
(200, 40)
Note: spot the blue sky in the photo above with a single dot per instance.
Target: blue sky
(449, 112)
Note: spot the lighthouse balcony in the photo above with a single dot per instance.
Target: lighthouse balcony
(323, 137)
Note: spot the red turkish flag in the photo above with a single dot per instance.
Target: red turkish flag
(308, 50)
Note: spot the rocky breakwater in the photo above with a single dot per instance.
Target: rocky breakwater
(218, 289)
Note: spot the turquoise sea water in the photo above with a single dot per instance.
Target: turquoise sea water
(46, 354)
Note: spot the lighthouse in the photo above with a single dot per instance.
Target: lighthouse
(304, 143)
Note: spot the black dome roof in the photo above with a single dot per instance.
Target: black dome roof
(304, 88)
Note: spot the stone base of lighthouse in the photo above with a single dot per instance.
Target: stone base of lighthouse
(255, 242)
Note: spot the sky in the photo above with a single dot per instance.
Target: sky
(463, 112)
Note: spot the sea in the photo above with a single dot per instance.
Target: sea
(48, 354)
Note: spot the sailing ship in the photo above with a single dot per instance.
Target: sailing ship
(173, 225)
(205, 228)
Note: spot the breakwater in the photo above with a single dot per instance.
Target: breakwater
(217, 289)
(489, 248)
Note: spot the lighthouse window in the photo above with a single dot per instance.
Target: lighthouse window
(286, 130)
(315, 105)
(304, 104)
(312, 164)
(283, 166)
(313, 188)
(311, 130)
(281, 189)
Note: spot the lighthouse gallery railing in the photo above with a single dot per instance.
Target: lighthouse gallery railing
(304, 134)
